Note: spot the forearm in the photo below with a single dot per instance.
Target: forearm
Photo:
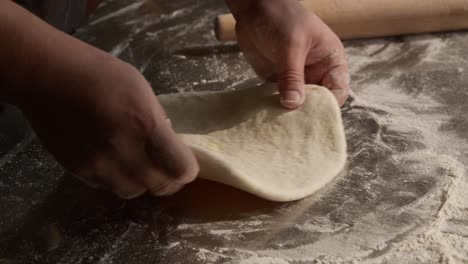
(237, 6)
(34, 55)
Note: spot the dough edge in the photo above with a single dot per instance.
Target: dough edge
(237, 179)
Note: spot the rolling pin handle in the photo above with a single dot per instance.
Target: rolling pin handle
(370, 18)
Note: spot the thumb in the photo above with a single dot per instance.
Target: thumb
(291, 80)
(167, 153)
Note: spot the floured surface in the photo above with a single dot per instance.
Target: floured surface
(403, 199)
(245, 139)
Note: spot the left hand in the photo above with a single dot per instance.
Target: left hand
(286, 43)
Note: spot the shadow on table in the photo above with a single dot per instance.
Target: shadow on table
(74, 212)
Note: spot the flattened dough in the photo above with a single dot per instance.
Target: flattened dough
(247, 140)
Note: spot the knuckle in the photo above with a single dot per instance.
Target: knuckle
(296, 39)
(337, 59)
(291, 76)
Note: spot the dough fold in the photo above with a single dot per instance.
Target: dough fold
(245, 139)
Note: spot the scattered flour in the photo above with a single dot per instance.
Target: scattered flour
(117, 13)
(444, 237)
(434, 225)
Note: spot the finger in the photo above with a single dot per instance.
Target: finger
(338, 80)
(260, 64)
(158, 184)
(148, 178)
(316, 70)
(162, 164)
(168, 189)
(121, 185)
(111, 176)
(291, 79)
(331, 72)
(85, 175)
(167, 154)
(126, 188)
(88, 181)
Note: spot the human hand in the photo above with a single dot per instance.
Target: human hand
(286, 43)
(96, 114)
(107, 128)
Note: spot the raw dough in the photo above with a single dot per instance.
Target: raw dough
(247, 140)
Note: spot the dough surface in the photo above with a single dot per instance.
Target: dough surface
(245, 139)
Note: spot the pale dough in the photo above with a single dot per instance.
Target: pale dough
(247, 140)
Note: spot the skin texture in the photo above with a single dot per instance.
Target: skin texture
(100, 118)
(286, 43)
(96, 114)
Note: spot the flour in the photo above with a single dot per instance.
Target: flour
(401, 200)
(207, 256)
(117, 13)
(416, 118)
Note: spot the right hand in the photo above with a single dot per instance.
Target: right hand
(286, 43)
(105, 125)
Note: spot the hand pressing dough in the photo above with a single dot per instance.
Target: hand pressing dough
(247, 140)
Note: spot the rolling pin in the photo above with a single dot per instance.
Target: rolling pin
(352, 19)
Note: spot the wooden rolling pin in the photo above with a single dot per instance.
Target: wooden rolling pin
(351, 19)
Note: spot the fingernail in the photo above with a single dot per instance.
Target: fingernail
(291, 98)
(127, 195)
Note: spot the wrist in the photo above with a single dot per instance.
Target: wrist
(239, 8)
(38, 61)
